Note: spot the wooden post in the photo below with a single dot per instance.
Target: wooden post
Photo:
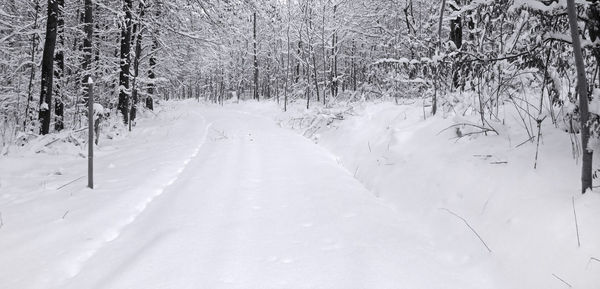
(90, 92)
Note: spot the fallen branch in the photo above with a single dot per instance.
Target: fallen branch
(555, 276)
(482, 128)
(483, 156)
(527, 140)
(468, 225)
(53, 141)
(69, 183)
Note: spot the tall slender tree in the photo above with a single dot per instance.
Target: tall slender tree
(34, 45)
(48, 66)
(124, 93)
(255, 57)
(137, 33)
(582, 88)
(59, 61)
(151, 74)
(88, 29)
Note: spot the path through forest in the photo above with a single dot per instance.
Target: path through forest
(259, 206)
(262, 207)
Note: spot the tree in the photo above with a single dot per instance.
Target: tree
(152, 65)
(124, 93)
(137, 33)
(582, 88)
(59, 60)
(34, 45)
(255, 58)
(88, 27)
(48, 66)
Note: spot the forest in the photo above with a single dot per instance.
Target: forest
(459, 57)
(299, 144)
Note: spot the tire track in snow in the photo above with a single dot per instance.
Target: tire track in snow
(110, 235)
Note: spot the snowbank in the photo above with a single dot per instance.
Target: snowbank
(51, 224)
(432, 175)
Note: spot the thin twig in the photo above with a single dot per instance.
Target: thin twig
(77, 179)
(529, 139)
(483, 156)
(369, 144)
(1, 221)
(482, 128)
(468, 225)
(63, 217)
(576, 223)
(562, 280)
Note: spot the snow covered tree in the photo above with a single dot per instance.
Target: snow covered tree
(48, 66)
(124, 92)
(582, 88)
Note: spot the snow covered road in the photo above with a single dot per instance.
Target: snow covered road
(258, 206)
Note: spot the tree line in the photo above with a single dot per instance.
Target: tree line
(457, 56)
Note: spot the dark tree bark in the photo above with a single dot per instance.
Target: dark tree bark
(88, 28)
(287, 72)
(334, 74)
(456, 31)
(255, 60)
(582, 87)
(124, 94)
(137, 32)
(48, 67)
(59, 60)
(353, 71)
(152, 62)
(151, 75)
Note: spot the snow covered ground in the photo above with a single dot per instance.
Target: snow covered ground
(427, 174)
(202, 196)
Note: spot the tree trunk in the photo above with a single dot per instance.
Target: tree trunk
(137, 31)
(59, 60)
(124, 94)
(441, 18)
(353, 71)
(287, 72)
(311, 52)
(34, 45)
(255, 60)
(582, 87)
(324, 57)
(87, 43)
(456, 31)
(334, 81)
(48, 67)
(152, 62)
(152, 75)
